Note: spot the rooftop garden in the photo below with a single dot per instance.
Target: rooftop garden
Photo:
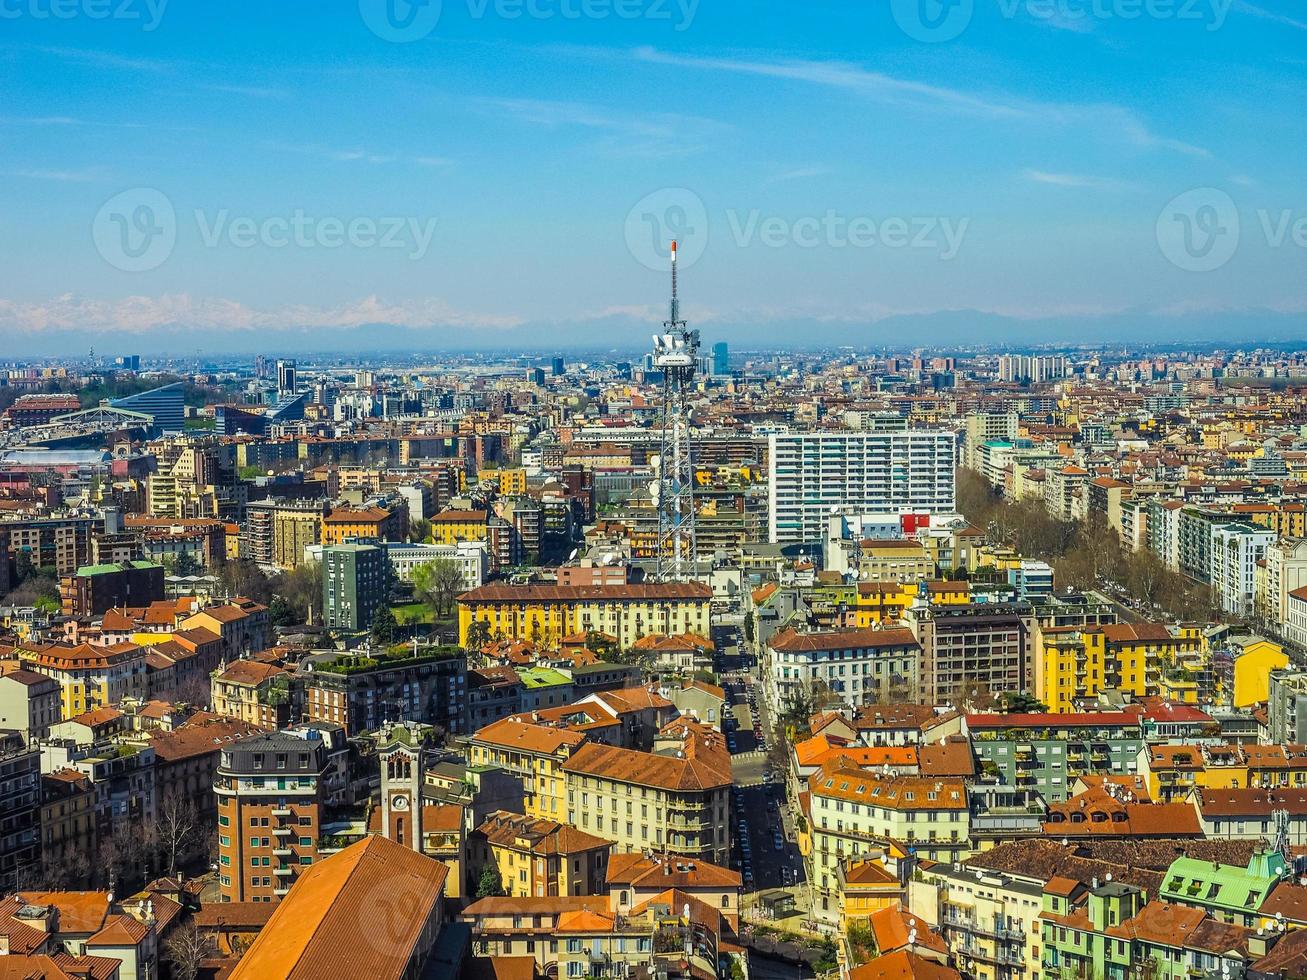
(400, 655)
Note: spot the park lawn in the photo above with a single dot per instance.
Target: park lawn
(413, 614)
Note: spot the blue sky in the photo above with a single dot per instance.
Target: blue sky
(835, 167)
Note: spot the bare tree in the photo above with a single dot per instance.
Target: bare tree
(123, 857)
(186, 949)
(176, 828)
(67, 869)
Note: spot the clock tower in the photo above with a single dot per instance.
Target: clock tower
(402, 751)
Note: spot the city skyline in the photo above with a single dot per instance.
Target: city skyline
(1051, 172)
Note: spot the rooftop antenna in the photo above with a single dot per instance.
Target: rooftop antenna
(676, 354)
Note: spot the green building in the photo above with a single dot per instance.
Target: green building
(544, 687)
(1110, 930)
(1228, 892)
(355, 584)
(1047, 752)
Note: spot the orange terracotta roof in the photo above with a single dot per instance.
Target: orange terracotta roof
(320, 928)
(903, 965)
(669, 871)
(514, 734)
(792, 641)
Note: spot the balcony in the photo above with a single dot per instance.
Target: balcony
(285, 871)
(281, 812)
(282, 852)
(284, 831)
(281, 892)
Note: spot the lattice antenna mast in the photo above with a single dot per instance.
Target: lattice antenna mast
(676, 354)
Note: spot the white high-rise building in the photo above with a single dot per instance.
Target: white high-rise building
(1035, 368)
(814, 473)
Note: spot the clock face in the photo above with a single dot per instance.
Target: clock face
(399, 802)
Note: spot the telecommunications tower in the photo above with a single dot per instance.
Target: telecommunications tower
(676, 354)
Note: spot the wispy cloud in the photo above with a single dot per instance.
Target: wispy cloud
(249, 91)
(1083, 181)
(70, 121)
(1139, 134)
(1261, 12)
(178, 311)
(1063, 20)
(89, 175)
(846, 76)
(359, 154)
(899, 91)
(797, 173)
(103, 59)
(626, 133)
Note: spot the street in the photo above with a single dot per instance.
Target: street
(764, 847)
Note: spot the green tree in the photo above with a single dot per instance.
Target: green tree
(383, 627)
(1021, 703)
(419, 530)
(182, 563)
(478, 634)
(281, 612)
(302, 587)
(489, 884)
(244, 578)
(437, 583)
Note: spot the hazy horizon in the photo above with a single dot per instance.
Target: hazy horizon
(483, 174)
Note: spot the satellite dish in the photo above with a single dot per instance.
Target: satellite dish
(573, 554)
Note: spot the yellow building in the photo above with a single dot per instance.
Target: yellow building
(547, 613)
(511, 481)
(1173, 771)
(857, 814)
(91, 676)
(676, 798)
(877, 603)
(867, 886)
(1253, 664)
(1288, 520)
(372, 522)
(895, 560)
(1137, 658)
(991, 918)
(293, 530)
(453, 526)
(533, 753)
(536, 858)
